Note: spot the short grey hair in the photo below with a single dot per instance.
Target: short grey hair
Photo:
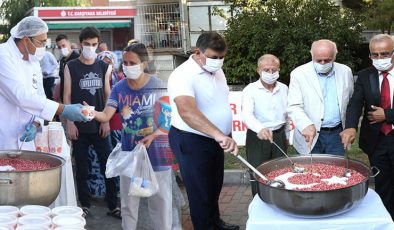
(381, 37)
(326, 41)
(268, 57)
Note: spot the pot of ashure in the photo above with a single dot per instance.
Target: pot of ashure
(32, 178)
(321, 191)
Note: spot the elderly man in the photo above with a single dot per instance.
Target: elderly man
(22, 94)
(373, 92)
(201, 125)
(264, 104)
(319, 92)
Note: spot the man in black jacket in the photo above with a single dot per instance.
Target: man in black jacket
(373, 91)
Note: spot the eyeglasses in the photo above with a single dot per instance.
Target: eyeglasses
(42, 42)
(381, 55)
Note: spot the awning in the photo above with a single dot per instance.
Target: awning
(64, 25)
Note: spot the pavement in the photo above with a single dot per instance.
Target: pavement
(233, 203)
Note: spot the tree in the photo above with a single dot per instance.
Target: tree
(380, 15)
(286, 28)
(12, 11)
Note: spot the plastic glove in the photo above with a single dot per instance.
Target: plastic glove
(73, 112)
(29, 134)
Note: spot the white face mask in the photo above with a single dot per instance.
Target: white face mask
(269, 78)
(382, 64)
(38, 55)
(89, 52)
(132, 72)
(323, 68)
(212, 65)
(65, 51)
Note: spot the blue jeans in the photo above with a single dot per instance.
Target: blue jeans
(329, 142)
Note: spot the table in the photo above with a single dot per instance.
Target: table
(369, 214)
(66, 195)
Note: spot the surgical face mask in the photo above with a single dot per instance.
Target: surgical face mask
(269, 78)
(132, 72)
(323, 68)
(65, 51)
(89, 52)
(38, 54)
(212, 65)
(382, 64)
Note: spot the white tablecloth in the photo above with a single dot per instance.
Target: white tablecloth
(66, 195)
(369, 214)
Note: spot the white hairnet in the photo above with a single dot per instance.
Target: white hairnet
(30, 26)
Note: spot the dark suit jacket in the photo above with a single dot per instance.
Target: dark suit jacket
(366, 93)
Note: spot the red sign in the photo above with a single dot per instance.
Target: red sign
(83, 13)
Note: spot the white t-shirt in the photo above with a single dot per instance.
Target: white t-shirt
(209, 90)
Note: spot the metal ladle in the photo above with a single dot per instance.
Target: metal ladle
(295, 168)
(347, 171)
(17, 153)
(272, 183)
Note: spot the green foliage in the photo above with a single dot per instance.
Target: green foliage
(287, 28)
(380, 15)
(12, 11)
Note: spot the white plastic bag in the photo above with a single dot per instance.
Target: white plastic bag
(143, 179)
(119, 162)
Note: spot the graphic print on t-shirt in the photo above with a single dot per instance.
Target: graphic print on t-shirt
(91, 82)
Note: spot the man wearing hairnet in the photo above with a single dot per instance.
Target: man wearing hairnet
(22, 98)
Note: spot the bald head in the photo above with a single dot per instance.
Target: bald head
(323, 51)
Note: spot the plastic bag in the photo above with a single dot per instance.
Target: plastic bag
(143, 182)
(119, 162)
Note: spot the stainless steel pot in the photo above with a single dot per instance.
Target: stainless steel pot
(31, 187)
(314, 204)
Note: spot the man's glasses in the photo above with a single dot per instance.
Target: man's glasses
(42, 42)
(381, 55)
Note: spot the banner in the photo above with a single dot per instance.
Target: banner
(238, 127)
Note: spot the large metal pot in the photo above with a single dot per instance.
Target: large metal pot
(31, 187)
(314, 204)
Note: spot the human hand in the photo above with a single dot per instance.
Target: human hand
(377, 115)
(309, 133)
(228, 144)
(348, 136)
(72, 130)
(265, 134)
(73, 112)
(147, 141)
(29, 134)
(104, 129)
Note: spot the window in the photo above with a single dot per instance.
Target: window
(158, 25)
(201, 19)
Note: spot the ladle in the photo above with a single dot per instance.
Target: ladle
(347, 171)
(17, 153)
(295, 168)
(272, 183)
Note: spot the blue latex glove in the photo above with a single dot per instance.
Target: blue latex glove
(73, 112)
(29, 134)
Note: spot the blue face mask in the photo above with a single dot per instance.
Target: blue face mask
(323, 68)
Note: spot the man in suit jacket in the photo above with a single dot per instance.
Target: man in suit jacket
(374, 92)
(319, 92)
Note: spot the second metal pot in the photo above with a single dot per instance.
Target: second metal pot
(313, 204)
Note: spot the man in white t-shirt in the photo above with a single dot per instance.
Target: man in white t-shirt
(201, 125)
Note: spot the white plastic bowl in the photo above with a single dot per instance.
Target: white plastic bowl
(68, 228)
(24, 227)
(67, 210)
(6, 210)
(69, 221)
(6, 228)
(8, 221)
(35, 210)
(35, 221)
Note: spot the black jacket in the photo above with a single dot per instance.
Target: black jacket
(366, 93)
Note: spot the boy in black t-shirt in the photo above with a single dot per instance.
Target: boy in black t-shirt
(87, 79)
